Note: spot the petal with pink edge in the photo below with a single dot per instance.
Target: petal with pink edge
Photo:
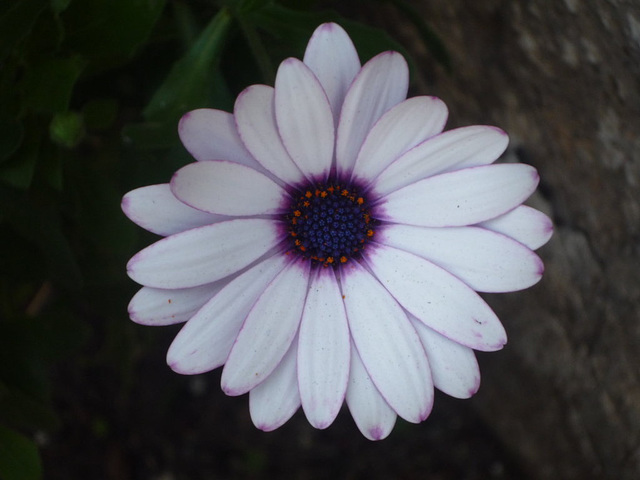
(387, 344)
(372, 414)
(227, 188)
(484, 260)
(452, 150)
(400, 129)
(304, 118)
(203, 255)
(331, 56)
(454, 367)
(437, 298)
(157, 210)
(210, 134)
(324, 349)
(256, 121)
(381, 83)
(463, 197)
(267, 331)
(205, 341)
(275, 400)
(157, 306)
(524, 224)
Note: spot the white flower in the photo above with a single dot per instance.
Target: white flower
(329, 243)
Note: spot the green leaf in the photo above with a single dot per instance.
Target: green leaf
(19, 457)
(19, 169)
(11, 135)
(16, 21)
(54, 94)
(41, 226)
(190, 82)
(59, 6)
(109, 31)
(66, 129)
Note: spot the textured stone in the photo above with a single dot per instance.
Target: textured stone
(563, 79)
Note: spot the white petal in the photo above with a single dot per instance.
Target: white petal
(205, 341)
(304, 118)
(463, 197)
(524, 224)
(275, 400)
(372, 414)
(398, 130)
(484, 260)
(157, 210)
(323, 353)
(388, 345)
(256, 121)
(156, 306)
(331, 56)
(437, 298)
(268, 330)
(454, 367)
(227, 188)
(381, 83)
(203, 255)
(453, 150)
(211, 135)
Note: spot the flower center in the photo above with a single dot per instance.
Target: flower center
(329, 223)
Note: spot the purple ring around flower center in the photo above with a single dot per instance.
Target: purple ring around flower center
(329, 223)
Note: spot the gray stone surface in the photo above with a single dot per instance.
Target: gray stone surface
(563, 79)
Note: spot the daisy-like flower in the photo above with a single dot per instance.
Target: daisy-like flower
(329, 243)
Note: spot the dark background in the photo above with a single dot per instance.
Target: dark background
(88, 105)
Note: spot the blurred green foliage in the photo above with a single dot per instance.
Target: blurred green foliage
(90, 95)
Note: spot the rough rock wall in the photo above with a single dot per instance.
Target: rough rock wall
(563, 79)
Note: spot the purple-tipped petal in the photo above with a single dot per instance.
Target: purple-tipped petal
(157, 210)
(387, 344)
(256, 122)
(484, 260)
(372, 414)
(381, 84)
(205, 341)
(210, 134)
(524, 224)
(203, 255)
(267, 331)
(227, 188)
(400, 129)
(454, 367)
(156, 306)
(463, 197)
(437, 298)
(453, 150)
(324, 349)
(275, 400)
(304, 118)
(331, 56)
